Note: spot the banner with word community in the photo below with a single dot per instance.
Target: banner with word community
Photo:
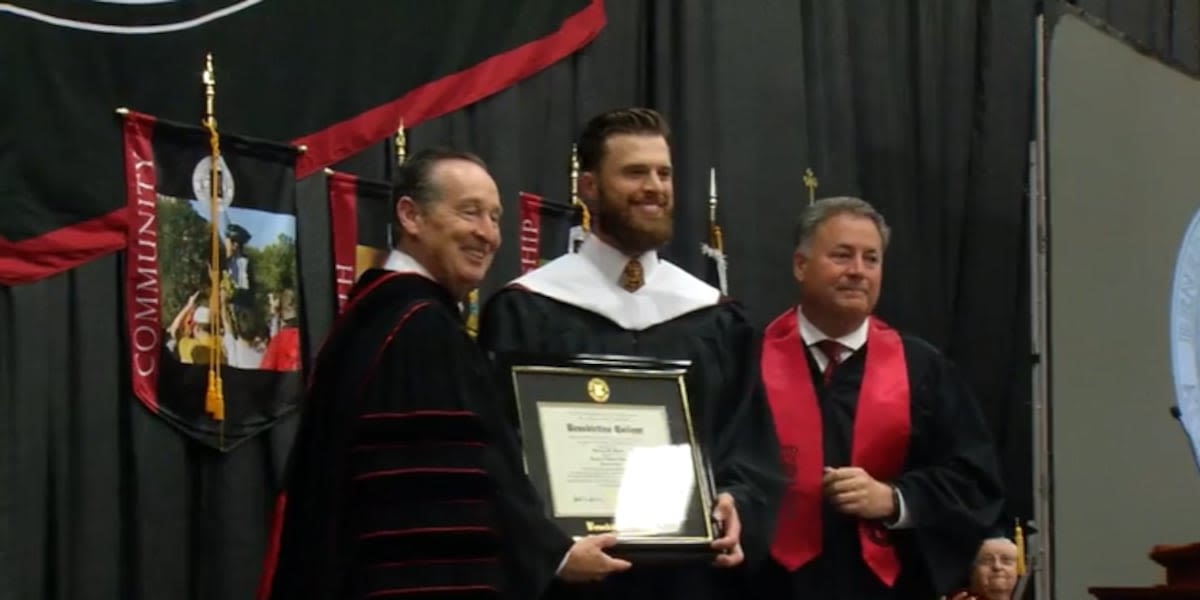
(213, 293)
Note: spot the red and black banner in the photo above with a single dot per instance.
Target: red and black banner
(318, 74)
(549, 229)
(361, 211)
(249, 326)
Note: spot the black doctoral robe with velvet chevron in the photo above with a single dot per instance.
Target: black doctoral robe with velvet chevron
(406, 479)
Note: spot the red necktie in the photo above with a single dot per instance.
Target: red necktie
(832, 350)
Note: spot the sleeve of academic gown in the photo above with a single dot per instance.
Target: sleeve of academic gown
(538, 547)
(500, 330)
(512, 321)
(952, 490)
(443, 506)
(745, 457)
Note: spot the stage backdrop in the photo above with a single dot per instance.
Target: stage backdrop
(921, 107)
(1123, 151)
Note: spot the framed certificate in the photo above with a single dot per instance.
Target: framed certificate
(610, 445)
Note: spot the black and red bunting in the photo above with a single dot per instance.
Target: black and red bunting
(316, 74)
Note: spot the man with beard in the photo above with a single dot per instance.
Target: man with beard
(894, 481)
(617, 297)
(406, 478)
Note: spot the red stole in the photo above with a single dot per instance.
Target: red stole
(880, 438)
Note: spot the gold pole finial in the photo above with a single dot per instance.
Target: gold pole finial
(401, 144)
(575, 200)
(810, 182)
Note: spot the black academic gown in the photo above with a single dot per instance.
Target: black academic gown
(950, 482)
(405, 479)
(726, 398)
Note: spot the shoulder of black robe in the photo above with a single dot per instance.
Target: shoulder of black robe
(724, 386)
(951, 484)
(402, 477)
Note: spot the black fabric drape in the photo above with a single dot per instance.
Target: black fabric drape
(923, 108)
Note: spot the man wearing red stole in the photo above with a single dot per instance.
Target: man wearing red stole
(893, 476)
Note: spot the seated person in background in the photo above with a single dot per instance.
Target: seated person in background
(998, 565)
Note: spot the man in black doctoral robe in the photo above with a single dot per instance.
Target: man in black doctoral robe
(405, 479)
(893, 477)
(616, 297)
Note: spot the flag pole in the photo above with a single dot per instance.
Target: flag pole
(575, 200)
(214, 400)
(715, 248)
(715, 237)
(401, 144)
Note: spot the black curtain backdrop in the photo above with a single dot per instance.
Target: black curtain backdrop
(1166, 29)
(923, 108)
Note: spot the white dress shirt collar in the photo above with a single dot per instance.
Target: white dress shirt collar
(811, 335)
(402, 262)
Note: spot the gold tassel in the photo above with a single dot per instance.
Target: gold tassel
(1020, 540)
(214, 399)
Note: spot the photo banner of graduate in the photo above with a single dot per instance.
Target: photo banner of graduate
(361, 216)
(549, 229)
(217, 357)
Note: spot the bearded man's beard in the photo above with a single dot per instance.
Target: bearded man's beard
(630, 233)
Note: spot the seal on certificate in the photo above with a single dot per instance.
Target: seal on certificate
(597, 390)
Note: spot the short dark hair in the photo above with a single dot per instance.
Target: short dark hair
(414, 178)
(826, 208)
(643, 121)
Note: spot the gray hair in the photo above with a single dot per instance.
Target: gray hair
(826, 208)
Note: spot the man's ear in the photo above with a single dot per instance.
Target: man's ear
(589, 188)
(799, 264)
(409, 215)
